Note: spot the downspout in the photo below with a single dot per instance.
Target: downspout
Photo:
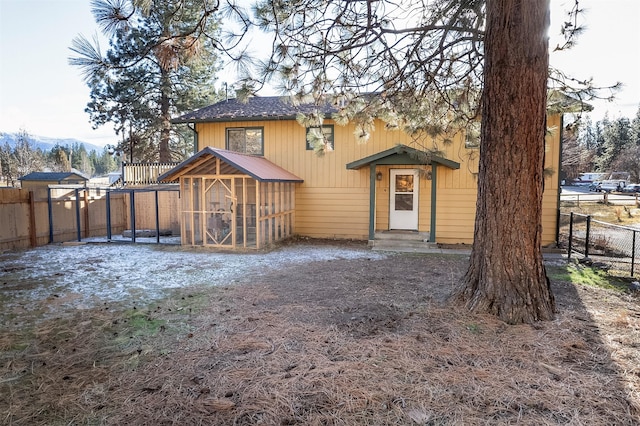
(372, 202)
(195, 136)
(559, 179)
(434, 185)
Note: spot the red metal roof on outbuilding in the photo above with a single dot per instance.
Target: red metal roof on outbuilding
(258, 168)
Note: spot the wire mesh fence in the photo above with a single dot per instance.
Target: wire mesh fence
(617, 247)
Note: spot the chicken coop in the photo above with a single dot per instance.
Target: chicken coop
(233, 201)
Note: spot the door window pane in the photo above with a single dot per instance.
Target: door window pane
(404, 183)
(404, 202)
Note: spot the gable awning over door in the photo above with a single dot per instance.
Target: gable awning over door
(396, 156)
(402, 155)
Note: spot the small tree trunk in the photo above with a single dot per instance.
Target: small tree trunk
(506, 275)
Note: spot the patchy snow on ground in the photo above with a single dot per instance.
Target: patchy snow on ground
(59, 276)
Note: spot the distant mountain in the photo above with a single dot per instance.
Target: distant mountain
(46, 143)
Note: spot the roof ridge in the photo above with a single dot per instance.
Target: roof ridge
(256, 108)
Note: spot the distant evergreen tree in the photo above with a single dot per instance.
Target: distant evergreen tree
(606, 146)
(58, 159)
(616, 137)
(635, 128)
(104, 163)
(586, 138)
(161, 62)
(28, 158)
(575, 155)
(20, 160)
(6, 169)
(628, 161)
(627, 134)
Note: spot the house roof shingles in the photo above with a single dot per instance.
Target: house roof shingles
(255, 108)
(280, 108)
(52, 176)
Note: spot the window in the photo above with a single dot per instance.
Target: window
(318, 135)
(472, 138)
(248, 140)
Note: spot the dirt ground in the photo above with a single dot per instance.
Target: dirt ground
(342, 340)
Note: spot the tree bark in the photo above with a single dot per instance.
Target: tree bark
(164, 148)
(506, 275)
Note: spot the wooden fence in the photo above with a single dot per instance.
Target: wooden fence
(142, 204)
(18, 219)
(29, 219)
(144, 173)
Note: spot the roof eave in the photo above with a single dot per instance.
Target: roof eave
(181, 120)
(278, 180)
(179, 170)
(407, 154)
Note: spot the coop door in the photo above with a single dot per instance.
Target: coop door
(220, 204)
(403, 212)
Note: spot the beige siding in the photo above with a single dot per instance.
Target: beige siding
(333, 202)
(550, 200)
(325, 212)
(455, 215)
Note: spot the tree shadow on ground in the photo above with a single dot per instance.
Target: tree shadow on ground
(340, 342)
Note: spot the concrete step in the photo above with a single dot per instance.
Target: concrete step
(407, 245)
(402, 241)
(402, 236)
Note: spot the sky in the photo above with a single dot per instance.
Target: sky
(43, 95)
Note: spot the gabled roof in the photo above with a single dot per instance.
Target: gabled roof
(260, 108)
(53, 176)
(255, 108)
(402, 154)
(205, 162)
(559, 102)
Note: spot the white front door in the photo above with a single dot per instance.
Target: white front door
(403, 211)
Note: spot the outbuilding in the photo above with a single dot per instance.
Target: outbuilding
(234, 200)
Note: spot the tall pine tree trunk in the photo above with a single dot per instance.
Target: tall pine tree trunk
(165, 117)
(506, 276)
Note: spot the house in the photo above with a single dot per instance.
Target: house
(39, 181)
(256, 179)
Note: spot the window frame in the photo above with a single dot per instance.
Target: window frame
(260, 128)
(332, 140)
(472, 135)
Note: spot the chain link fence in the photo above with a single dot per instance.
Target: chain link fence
(614, 246)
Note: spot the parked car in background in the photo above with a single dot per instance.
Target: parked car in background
(616, 182)
(633, 188)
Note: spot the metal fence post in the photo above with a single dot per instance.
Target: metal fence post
(586, 239)
(570, 235)
(78, 220)
(633, 252)
(132, 197)
(50, 205)
(157, 219)
(108, 206)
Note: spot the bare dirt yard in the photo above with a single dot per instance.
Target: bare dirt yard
(309, 333)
